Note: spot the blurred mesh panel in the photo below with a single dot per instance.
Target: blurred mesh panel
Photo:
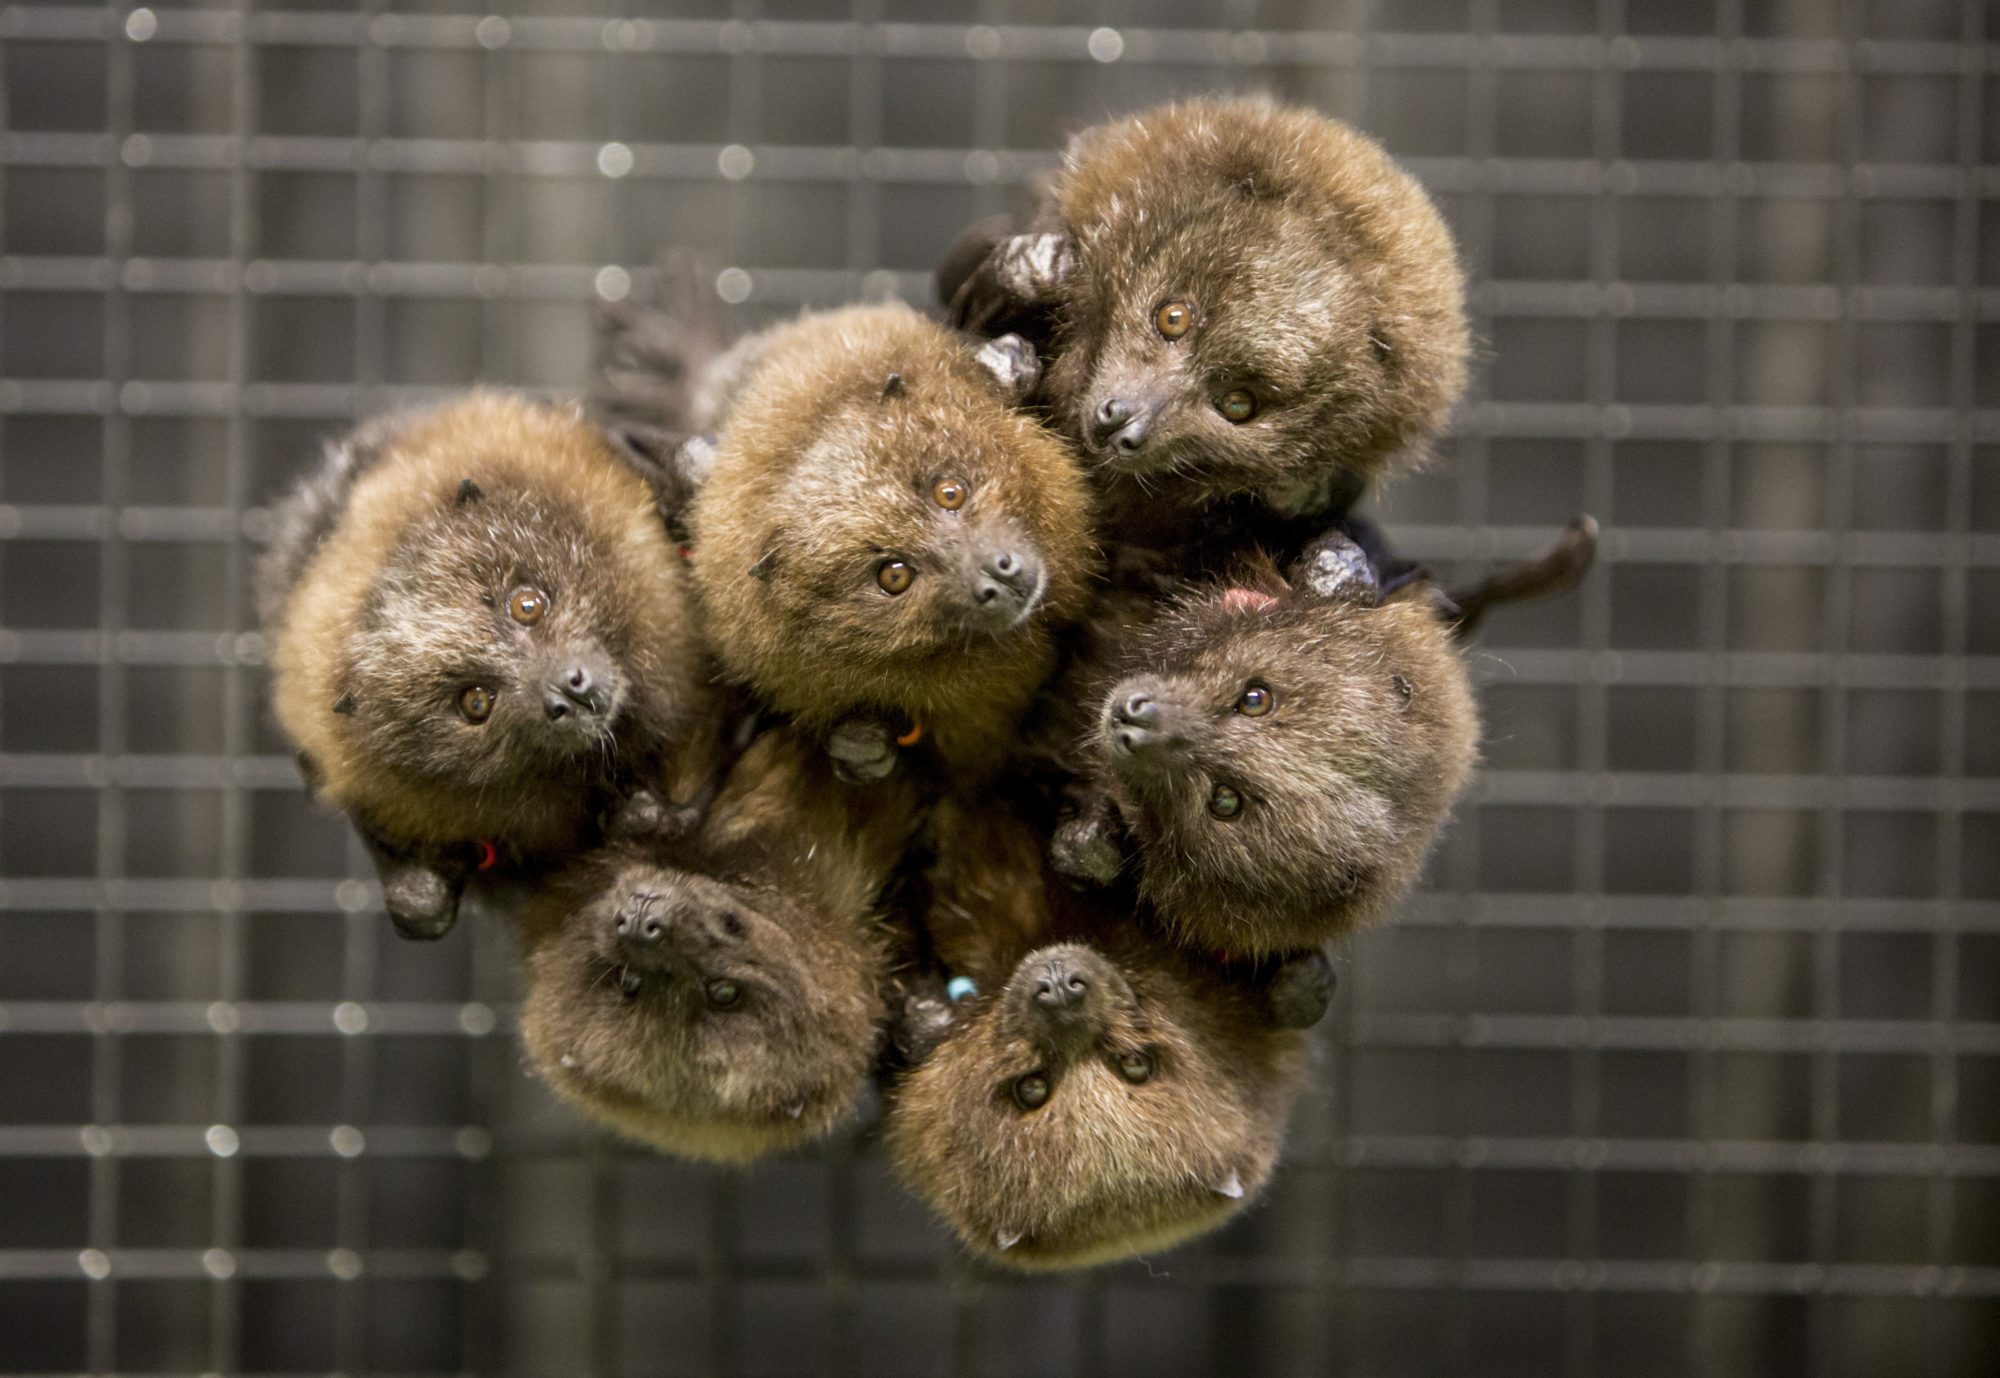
(1687, 1062)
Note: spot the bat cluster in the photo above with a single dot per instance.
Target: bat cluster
(1001, 716)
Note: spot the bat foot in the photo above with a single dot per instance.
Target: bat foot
(422, 903)
(1301, 990)
(1084, 851)
(863, 751)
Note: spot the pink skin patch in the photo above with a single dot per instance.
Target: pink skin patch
(1246, 600)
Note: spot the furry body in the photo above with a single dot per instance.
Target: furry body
(1283, 755)
(775, 895)
(1318, 282)
(390, 595)
(826, 472)
(1167, 1082)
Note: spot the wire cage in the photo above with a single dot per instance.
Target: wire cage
(1685, 1062)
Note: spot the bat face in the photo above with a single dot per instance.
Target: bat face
(1283, 763)
(1232, 350)
(1256, 300)
(490, 649)
(707, 1017)
(880, 531)
(475, 619)
(901, 533)
(1096, 1106)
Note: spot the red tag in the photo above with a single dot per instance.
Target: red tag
(489, 855)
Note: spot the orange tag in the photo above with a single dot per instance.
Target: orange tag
(913, 736)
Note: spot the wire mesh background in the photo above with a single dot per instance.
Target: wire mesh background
(1686, 1062)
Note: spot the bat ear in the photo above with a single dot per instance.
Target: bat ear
(771, 553)
(769, 548)
(1335, 567)
(1012, 364)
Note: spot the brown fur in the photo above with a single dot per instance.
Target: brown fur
(777, 893)
(819, 477)
(1105, 1168)
(385, 595)
(1344, 783)
(1321, 278)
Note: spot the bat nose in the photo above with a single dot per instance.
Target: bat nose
(1065, 995)
(1140, 709)
(574, 690)
(1060, 987)
(1130, 438)
(1007, 578)
(639, 934)
(1124, 424)
(1139, 723)
(1111, 414)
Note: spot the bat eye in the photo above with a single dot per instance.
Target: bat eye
(950, 493)
(630, 982)
(527, 605)
(1256, 701)
(724, 994)
(895, 576)
(1225, 802)
(475, 704)
(1237, 406)
(1136, 1068)
(1173, 319)
(1031, 1091)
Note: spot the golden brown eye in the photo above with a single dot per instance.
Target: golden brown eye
(894, 576)
(1136, 1068)
(526, 605)
(476, 703)
(1031, 1091)
(1173, 319)
(1225, 802)
(949, 494)
(1237, 406)
(1256, 701)
(724, 994)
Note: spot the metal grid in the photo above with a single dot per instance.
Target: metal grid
(1688, 1060)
